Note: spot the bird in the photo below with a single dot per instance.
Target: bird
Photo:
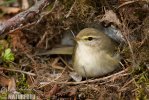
(94, 51)
(95, 54)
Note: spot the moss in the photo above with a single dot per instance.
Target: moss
(142, 84)
(22, 85)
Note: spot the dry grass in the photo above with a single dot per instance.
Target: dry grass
(52, 79)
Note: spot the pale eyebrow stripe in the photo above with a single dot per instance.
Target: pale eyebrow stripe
(85, 37)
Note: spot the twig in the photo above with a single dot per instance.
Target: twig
(54, 6)
(24, 17)
(127, 3)
(53, 80)
(21, 27)
(48, 12)
(68, 14)
(95, 80)
(126, 30)
(15, 70)
(122, 88)
(42, 39)
(131, 50)
(66, 64)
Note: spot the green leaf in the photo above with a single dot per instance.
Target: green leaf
(8, 56)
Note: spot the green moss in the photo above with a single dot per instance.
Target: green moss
(22, 84)
(142, 84)
(3, 95)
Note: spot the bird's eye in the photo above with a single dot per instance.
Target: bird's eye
(90, 38)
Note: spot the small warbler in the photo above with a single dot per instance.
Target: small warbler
(94, 54)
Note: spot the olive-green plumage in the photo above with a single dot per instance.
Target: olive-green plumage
(94, 53)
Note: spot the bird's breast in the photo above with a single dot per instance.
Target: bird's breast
(90, 62)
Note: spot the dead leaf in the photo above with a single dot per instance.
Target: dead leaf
(110, 16)
(4, 81)
(10, 82)
(18, 40)
(12, 85)
(10, 10)
(53, 91)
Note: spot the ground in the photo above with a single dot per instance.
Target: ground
(47, 76)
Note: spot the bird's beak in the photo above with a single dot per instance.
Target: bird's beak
(76, 39)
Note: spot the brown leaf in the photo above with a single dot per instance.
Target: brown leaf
(10, 10)
(12, 85)
(18, 40)
(53, 91)
(110, 16)
(10, 82)
(4, 81)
